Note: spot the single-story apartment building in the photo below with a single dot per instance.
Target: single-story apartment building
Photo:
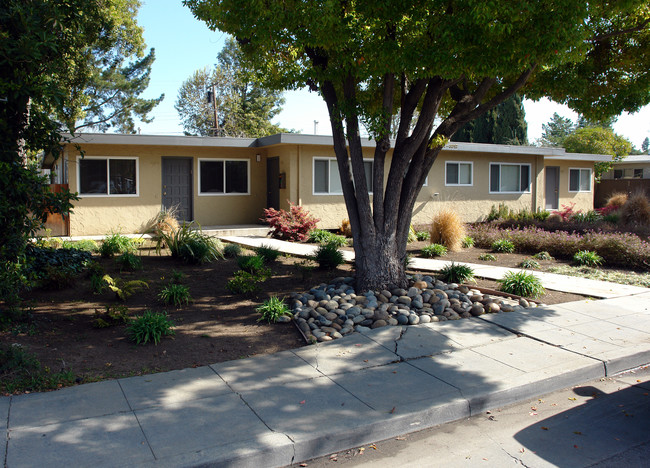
(630, 175)
(123, 181)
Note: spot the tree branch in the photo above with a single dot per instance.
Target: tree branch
(621, 32)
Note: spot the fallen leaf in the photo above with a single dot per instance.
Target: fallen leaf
(361, 450)
(575, 446)
(400, 438)
(365, 360)
(544, 428)
(303, 464)
(357, 345)
(532, 413)
(572, 398)
(392, 411)
(373, 446)
(533, 408)
(302, 402)
(522, 450)
(577, 432)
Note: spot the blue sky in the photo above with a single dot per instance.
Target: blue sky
(184, 44)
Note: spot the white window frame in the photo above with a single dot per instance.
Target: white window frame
(224, 193)
(471, 173)
(108, 177)
(580, 169)
(330, 161)
(530, 176)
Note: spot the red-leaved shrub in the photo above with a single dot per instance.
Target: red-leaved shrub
(292, 225)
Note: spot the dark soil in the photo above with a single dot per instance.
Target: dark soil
(217, 326)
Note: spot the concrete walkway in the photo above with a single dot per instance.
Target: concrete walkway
(278, 409)
(570, 284)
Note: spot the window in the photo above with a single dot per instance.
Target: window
(223, 176)
(327, 180)
(638, 174)
(509, 178)
(579, 180)
(108, 176)
(458, 173)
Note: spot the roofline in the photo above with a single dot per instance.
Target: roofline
(581, 157)
(288, 139)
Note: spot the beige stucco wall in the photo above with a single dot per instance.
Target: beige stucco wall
(94, 215)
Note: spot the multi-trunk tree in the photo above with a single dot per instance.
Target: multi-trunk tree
(451, 59)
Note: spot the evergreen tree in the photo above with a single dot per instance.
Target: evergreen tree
(244, 106)
(645, 146)
(503, 125)
(556, 130)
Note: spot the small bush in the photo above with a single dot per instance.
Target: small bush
(244, 282)
(292, 225)
(521, 284)
(177, 277)
(267, 254)
(529, 263)
(554, 218)
(321, 236)
(616, 200)
(345, 229)
(115, 243)
(487, 257)
(543, 255)
(129, 262)
(447, 229)
(150, 327)
(87, 245)
(191, 245)
(232, 250)
(250, 263)
(124, 289)
(113, 315)
(434, 250)
(467, 242)
(636, 211)
(328, 256)
(500, 212)
(457, 273)
(176, 294)
(503, 246)
(587, 258)
(590, 216)
(567, 211)
(422, 235)
(272, 309)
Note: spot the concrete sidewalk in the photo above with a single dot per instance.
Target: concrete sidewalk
(295, 405)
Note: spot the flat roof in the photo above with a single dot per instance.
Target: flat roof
(286, 139)
(635, 159)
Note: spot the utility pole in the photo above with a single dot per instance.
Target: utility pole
(212, 99)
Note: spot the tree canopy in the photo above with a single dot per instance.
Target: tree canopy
(452, 59)
(598, 140)
(556, 130)
(244, 105)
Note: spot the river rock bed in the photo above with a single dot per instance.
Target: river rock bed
(331, 311)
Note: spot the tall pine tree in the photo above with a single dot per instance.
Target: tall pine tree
(503, 125)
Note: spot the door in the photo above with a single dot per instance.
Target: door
(273, 183)
(552, 188)
(177, 186)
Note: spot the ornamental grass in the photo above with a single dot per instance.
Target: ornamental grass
(447, 229)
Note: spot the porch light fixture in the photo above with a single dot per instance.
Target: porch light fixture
(258, 157)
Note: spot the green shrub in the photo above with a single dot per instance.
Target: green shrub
(529, 263)
(87, 245)
(272, 309)
(328, 256)
(543, 255)
(244, 282)
(21, 371)
(321, 236)
(456, 273)
(487, 257)
(113, 315)
(500, 212)
(250, 263)
(522, 284)
(53, 268)
(422, 235)
(177, 277)
(232, 250)
(115, 243)
(124, 289)
(267, 253)
(129, 261)
(503, 246)
(190, 245)
(587, 258)
(434, 250)
(176, 294)
(150, 326)
(588, 217)
(467, 242)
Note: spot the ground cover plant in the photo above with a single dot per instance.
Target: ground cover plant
(150, 327)
(456, 273)
(321, 236)
(522, 284)
(587, 258)
(272, 309)
(115, 243)
(434, 250)
(175, 294)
